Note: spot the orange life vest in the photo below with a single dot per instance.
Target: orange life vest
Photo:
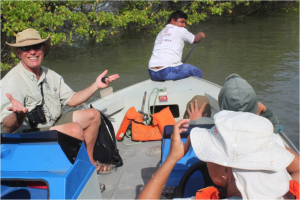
(163, 118)
(294, 189)
(207, 193)
(213, 193)
(142, 132)
(131, 114)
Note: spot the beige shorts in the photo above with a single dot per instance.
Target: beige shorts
(63, 119)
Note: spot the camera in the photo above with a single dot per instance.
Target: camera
(36, 116)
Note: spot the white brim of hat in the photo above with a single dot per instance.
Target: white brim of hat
(273, 157)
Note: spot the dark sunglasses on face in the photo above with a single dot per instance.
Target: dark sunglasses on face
(35, 47)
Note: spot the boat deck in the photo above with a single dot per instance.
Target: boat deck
(138, 166)
(137, 169)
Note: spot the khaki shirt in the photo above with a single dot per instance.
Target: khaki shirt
(25, 88)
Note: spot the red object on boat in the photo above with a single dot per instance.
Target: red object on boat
(163, 98)
(37, 184)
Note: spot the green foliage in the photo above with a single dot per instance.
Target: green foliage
(66, 20)
(5, 66)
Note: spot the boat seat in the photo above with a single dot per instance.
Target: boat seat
(58, 161)
(113, 106)
(184, 163)
(213, 100)
(202, 121)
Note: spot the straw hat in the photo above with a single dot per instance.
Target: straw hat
(240, 140)
(30, 37)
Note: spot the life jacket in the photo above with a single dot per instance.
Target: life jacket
(130, 115)
(163, 118)
(142, 132)
(294, 189)
(207, 193)
(213, 193)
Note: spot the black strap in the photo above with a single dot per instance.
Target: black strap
(42, 92)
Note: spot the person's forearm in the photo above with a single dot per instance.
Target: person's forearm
(83, 95)
(155, 185)
(293, 167)
(12, 122)
(199, 37)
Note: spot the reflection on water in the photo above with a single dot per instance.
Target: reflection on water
(263, 49)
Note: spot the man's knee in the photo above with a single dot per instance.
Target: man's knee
(94, 115)
(76, 131)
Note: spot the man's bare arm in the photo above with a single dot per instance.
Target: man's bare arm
(13, 121)
(199, 37)
(83, 95)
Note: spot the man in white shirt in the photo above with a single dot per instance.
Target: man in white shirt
(165, 62)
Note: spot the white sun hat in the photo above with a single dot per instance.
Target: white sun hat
(240, 140)
(246, 143)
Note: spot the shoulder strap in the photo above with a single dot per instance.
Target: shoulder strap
(42, 92)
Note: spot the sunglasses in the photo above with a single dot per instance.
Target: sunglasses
(35, 47)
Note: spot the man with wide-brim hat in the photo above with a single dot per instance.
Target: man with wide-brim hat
(32, 95)
(30, 37)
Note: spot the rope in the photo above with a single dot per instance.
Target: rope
(128, 135)
(158, 91)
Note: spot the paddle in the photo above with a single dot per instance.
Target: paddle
(187, 56)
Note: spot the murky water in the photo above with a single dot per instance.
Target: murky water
(263, 49)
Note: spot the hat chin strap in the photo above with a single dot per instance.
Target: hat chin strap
(229, 180)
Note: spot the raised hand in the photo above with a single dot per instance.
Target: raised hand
(16, 107)
(202, 35)
(178, 149)
(195, 113)
(261, 108)
(108, 80)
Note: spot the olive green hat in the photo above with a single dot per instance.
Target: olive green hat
(237, 95)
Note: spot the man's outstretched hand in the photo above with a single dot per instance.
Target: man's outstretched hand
(13, 121)
(16, 107)
(108, 80)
